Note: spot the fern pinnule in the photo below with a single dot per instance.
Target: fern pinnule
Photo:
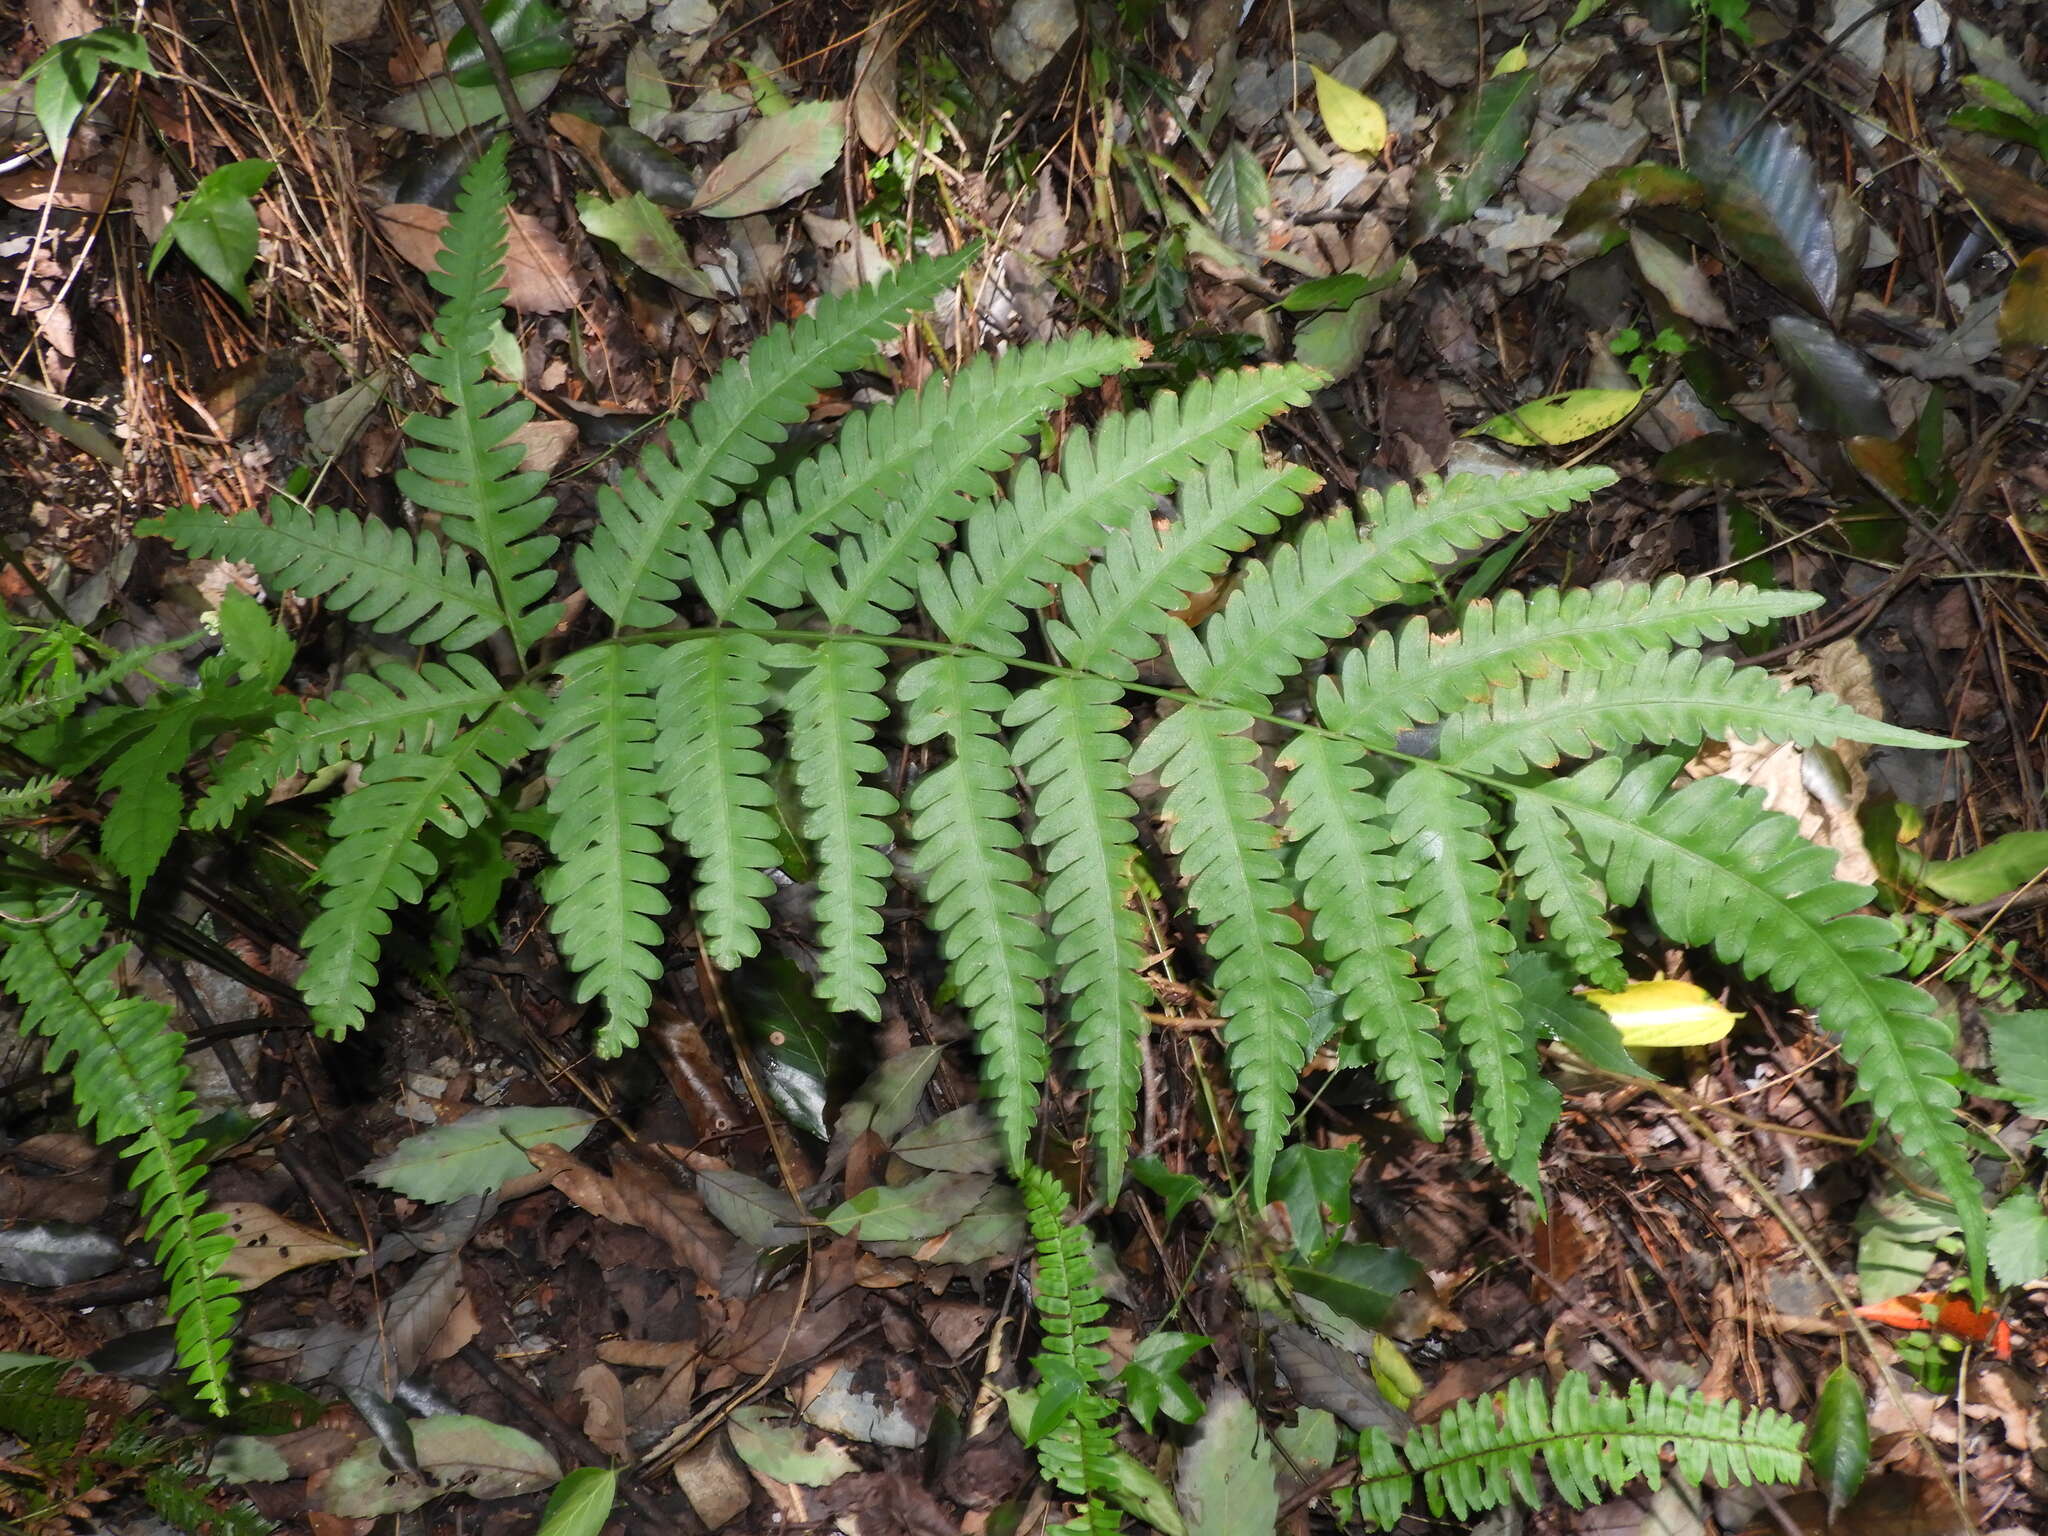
(465, 465)
(1068, 746)
(890, 484)
(1659, 699)
(393, 709)
(635, 563)
(44, 694)
(714, 776)
(1113, 615)
(1445, 865)
(1020, 547)
(1078, 1456)
(607, 888)
(128, 1082)
(964, 842)
(1574, 905)
(1217, 818)
(398, 582)
(1350, 882)
(1315, 587)
(1765, 899)
(833, 705)
(382, 858)
(1413, 677)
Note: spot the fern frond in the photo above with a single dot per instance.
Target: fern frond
(394, 709)
(1658, 699)
(1112, 617)
(1353, 886)
(381, 861)
(1217, 822)
(463, 465)
(716, 780)
(1317, 586)
(1069, 748)
(837, 697)
(635, 561)
(901, 472)
(31, 794)
(606, 888)
(1017, 549)
(128, 1082)
(399, 583)
(1444, 863)
(1765, 899)
(50, 698)
(1077, 1457)
(1482, 1453)
(964, 845)
(1417, 678)
(1573, 903)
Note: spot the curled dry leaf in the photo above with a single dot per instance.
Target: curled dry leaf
(634, 1196)
(538, 277)
(268, 1245)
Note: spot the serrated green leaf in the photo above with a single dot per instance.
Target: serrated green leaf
(1153, 1383)
(2018, 1244)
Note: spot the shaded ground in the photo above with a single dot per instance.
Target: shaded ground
(1169, 173)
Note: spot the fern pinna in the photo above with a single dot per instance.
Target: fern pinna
(958, 646)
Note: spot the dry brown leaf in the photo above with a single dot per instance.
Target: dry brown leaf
(647, 1354)
(634, 1196)
(873, 103)
(58, 21)
(604, 1408)
(42, 186)
(546, 444)
(458, 1330)
(268, 1245)
(538, 277)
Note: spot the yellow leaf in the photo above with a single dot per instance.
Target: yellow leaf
(2023, 316)
(1648, 1013)
(1562, 418)
(1354, 119)
(1516, 58)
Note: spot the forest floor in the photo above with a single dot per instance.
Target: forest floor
(1174, 171)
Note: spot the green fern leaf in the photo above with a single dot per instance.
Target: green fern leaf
(1660, 700)
(1572, 902)
(128, 1081)
(149, 805)
(1217, 819)
(635, 561)
(1079, 1456)
(1450, 884)
(31, 794)
(605, 889)
(464, 465)
(381, 860)
(1766, 900)
(1069, 748)
(716, 780)
(1317, 586)
(1112, 618)
(902, 472)
(399, 583)
(1352, 885)
(45, 697)
(394, 709)
(965, 842)
(1020, 547)
(1417, 678)
(837, 697)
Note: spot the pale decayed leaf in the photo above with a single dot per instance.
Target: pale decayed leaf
(776, 158)
(268, 1245)
(476, 1154)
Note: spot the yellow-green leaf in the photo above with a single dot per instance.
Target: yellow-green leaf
(1515, 58)
(2023, 315)
(1356, 122)
(1561, 418)
(1654, 1013)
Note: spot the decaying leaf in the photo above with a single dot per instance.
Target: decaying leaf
(457, 1453)
(1555, 420)
(776, 158)
(268, 1245)
(538, 277)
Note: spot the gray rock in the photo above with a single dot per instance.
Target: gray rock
(1439, 38)
(1363, 64)
(1264, 87)
(1031, 34)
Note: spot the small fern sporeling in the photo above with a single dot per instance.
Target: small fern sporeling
(977, 655)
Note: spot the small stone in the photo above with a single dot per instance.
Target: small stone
(1031, 34)
(1439, 38)
(1363, 64)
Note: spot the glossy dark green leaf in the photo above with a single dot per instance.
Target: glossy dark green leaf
(1550, 1003)
(531, 34)
(645, 167)
(1611, 198)
(1336, 291)
(1360, 1281)
(1479, 147)
(802, 1057)
(1761, 194)
(1839, 1451)
(581, 1503)
(1718, 458)
(1835, 385)
(215, 227)
(1314, 1184)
